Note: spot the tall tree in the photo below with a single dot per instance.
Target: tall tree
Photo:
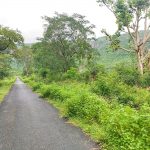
(131, 16)
(67, 38)
(9, 39)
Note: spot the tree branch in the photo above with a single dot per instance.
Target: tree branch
(128, 50)
(109, 8)
(133, 38)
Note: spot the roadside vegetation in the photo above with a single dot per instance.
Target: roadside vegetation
(115, 114)
(9, 40)
(5, 86)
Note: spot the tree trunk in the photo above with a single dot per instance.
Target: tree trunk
(148, 63)
(140, 62)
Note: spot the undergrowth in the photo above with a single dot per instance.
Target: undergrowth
(5, 85)
(115, 115)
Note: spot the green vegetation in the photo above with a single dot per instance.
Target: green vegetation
(130, 17)
(116, 115)
(5, 85)
(65, 43)
(112, 102)
(110, 58)
(9, 39)
(5, 65)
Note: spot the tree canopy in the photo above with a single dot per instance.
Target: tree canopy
(66, 41)
(9, 38)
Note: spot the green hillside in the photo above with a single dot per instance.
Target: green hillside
(110, 58)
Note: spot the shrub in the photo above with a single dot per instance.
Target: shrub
(85, 106)
(110, 86)
(4, 73)
(45, 91)
(92, 73)
(36, 86)
(43, 73)
(72, 73)
(145, 80)
(128, 74)
(55, 92)
(127, 129)
(122, 127)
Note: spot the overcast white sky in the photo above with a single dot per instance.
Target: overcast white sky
(25, 15)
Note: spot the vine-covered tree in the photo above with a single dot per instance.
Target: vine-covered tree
(132, 16)
(9, 39)
(67, 40)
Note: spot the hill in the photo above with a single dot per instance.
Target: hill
(109, 58)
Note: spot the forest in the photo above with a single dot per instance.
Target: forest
(101, 85)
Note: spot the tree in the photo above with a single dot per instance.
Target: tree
(130, 15)
(9, 39)
(5, 65)
(24, 57)
(44, 59)
(67, 40)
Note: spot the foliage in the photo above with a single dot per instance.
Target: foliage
(126, 129)
(72, 73)
(145, 80)
(110, 58)
(118, 126)
(5, 85)
(9, 39)
(66, 43)
(5, 65)
(24, 56)
(111, 86)
(128, 74)
(130, 15)
(91, 73)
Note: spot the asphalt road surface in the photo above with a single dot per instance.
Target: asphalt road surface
(29, 123)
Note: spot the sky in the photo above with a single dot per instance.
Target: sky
(25, 15)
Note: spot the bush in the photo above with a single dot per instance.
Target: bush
(145, 80)
(110, 86)
(128, 74)
(55, 92)
(122, 127)
(36, 86)
(86, 106)
(128, 129)
(92, 73)
(72, 73)
(45, 91)
(4, 73)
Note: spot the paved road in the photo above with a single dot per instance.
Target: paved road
(29, 123)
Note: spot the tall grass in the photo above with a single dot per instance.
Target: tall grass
(5, 85)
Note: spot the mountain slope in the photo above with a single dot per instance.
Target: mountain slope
(109, 58)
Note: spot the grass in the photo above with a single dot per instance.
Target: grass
(5, 86)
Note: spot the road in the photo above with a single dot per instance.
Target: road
(29, 123)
